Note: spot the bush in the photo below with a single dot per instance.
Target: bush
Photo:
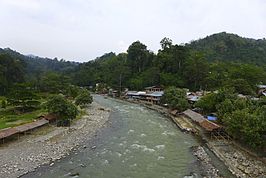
(63, 108)
(3, 104)
(84, 98)
(176, 98)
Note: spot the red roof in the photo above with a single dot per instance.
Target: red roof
(208, 125)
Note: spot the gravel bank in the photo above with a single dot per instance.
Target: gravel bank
(239, 163)
(50, 143)
(205, 161)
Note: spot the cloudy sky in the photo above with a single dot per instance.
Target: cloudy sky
(81, 30)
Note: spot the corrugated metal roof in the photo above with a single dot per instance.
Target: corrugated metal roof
(156, 94)
(7, 132)
(208, 125)
(261, 86)
(193, 115)
(151, 87)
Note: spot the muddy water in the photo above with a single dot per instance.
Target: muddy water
(137, 143)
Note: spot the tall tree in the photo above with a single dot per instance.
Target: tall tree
(138, 57)
(196, 71)
(11, 72)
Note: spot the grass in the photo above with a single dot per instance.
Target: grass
(8, 118)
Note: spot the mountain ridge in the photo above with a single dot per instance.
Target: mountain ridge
(231, 47)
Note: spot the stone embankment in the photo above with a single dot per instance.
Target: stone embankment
(49, 144)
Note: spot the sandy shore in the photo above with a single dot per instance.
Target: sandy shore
(50, 143)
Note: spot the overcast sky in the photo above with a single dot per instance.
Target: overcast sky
(81, 30)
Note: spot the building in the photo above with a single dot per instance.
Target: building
(261, 90)
(152, 97)
(193, 97)
(207, 125)
(153, 89)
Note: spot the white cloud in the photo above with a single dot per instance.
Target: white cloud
(22, 4)
(85, 29)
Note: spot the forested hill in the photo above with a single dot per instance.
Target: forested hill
(220, 60)
(231, 47)
(34, 65)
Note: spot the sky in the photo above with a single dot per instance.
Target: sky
(81, 30)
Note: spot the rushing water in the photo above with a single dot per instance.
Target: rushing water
(138, 143)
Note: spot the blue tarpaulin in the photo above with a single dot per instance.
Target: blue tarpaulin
(211, 118)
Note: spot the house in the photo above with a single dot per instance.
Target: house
(199, 119)
(261, 90)
(154, 97)
(192, 97)
(153, 89)
(113, 93)
(137, 95)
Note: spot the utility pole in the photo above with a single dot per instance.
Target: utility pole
(120, 83)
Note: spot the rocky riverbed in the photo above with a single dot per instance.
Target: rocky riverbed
(209, 171)
(50, 143)
(239, 162)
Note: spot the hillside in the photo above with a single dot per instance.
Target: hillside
(231, 47)
(35, 65)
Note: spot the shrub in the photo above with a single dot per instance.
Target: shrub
(66, 110)
(84, 98)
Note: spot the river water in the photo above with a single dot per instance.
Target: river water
(137, 143)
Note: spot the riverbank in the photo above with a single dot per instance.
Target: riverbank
(50, 143)
(239, 162)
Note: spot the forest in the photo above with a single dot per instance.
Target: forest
(221, 62)
(200, 65)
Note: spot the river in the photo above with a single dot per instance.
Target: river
(137, 143)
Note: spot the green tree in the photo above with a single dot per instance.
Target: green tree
(24, 97)
(63, 108)
(166, 43)
(54, 83)
(209, 103)
(72, 91)
(3, 104)
(138, 57)
(196, 71)
(11, 72)
(176, 98)
(247, 127)
(83, 98)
